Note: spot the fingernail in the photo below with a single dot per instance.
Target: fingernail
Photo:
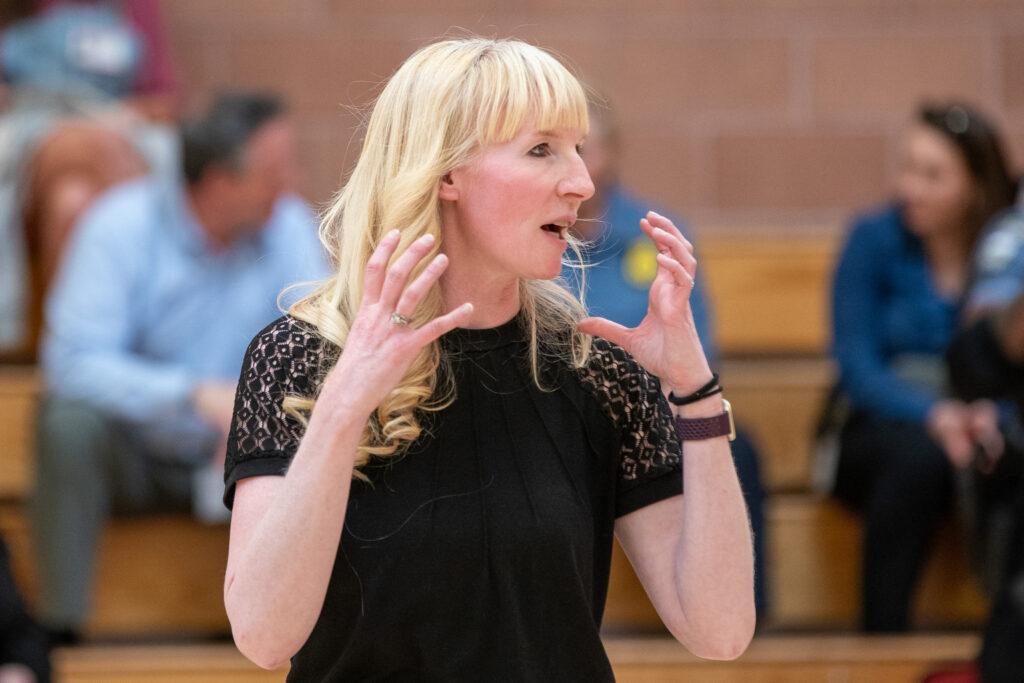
(427, 238)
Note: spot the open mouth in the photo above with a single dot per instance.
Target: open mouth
(559, 230)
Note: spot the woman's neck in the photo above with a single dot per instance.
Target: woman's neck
(947, 260)
(495, 300)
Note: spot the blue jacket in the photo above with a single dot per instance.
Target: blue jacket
(884, 306)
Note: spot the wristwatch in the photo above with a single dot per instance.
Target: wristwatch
(701, 428)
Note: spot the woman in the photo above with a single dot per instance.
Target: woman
(896, 303)
(449, 498)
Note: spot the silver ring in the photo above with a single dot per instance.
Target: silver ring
(399, 319)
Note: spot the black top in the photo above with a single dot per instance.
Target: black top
(482, 553)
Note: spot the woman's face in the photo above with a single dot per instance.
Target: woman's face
(934, 184)
(507, 211)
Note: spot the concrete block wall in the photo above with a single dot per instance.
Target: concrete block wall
(739, 114)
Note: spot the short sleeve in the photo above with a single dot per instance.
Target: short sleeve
(650, 454)
(280, 361)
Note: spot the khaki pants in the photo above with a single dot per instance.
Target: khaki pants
(89, 467)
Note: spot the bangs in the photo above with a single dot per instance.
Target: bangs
(514, 82)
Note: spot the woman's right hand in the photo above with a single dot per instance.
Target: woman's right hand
(378, 351)
(949, 424)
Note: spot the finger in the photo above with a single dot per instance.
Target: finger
(666, 224)
(373, 278)
(604, 328)
(959, 448)
(414, 293)
(398, 273)
(680, 275)
(444, 324)
(668, 243)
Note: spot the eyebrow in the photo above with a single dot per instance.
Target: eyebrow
(553, 134)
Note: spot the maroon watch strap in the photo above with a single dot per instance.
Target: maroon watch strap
(698, 429)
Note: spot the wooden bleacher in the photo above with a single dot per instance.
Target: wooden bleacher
(162, 576)
(793, 659)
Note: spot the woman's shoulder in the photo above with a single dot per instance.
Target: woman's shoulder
(286, 350)
(617, 381)
(882, 223)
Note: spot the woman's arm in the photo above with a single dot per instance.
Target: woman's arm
(285, 531)
(694, 554)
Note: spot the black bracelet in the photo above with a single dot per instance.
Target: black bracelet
(709, 389)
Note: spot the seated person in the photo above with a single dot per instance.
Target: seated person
(162, 288)
(621, 266)
(986, 361)
(896, 302)
(89, 87)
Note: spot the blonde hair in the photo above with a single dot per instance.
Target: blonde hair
(445, 102)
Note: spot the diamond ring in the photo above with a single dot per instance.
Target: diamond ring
(399, 319)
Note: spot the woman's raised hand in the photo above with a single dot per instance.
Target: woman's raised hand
(382, 343)
(665, 342)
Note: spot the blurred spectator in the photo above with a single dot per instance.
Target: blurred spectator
(83, 81)
(621, 266)
(161, 291)
(986, 360)
(896, 300)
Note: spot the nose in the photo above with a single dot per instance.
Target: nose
(577, 183)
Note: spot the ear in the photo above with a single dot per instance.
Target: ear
(448, 189)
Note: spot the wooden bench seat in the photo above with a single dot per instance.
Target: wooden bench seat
(157, 576)
(814, 576)
(779, 401)
(634, 660)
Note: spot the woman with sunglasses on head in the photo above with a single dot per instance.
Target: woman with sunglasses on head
(458, 442)
(896, 302)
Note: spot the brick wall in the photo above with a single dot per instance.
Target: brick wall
(756, 114)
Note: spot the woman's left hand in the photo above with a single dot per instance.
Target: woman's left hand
(665, 342)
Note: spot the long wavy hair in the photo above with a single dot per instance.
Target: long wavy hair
(443, 104)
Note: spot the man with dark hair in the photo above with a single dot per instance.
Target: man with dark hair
(161, 289)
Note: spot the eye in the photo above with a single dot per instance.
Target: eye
(541, 150)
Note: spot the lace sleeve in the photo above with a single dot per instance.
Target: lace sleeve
(650, 454)
(281, 361)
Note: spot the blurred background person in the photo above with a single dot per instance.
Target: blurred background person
(896, 300)
(986, 361)
(87, 86)
(162, 288)
(620, 268)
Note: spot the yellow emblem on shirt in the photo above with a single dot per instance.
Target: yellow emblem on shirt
(640, 265)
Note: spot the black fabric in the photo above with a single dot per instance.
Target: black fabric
(22, 641)
(1002, 658)
(902, 482)
(483, 552)
(978, 367)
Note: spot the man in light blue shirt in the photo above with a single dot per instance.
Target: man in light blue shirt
(161, 290)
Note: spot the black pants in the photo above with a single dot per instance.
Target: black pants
(22, 641)
(1002, 654)
(901, 481)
